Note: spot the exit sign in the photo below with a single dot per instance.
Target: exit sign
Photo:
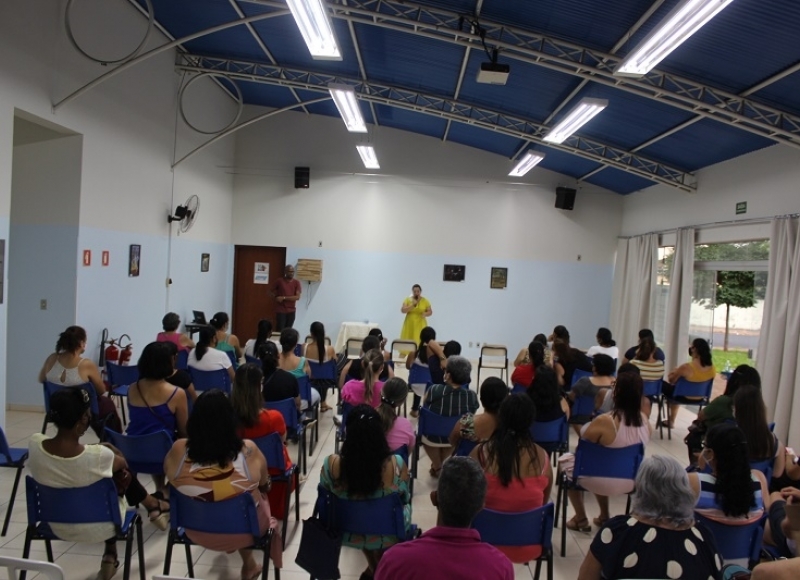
(741, 207)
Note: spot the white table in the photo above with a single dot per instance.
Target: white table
(352, 330)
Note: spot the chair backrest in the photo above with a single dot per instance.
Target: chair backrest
(12, 565)
(50, 388)
(402, 451)
(207, 380)
(232, 356)
(5, 450)
(551, 435)
(434, 425)
(93, 503)
(346, 408)
(530, 528)
(326, 370)
(252, 360)
(684, 388)
(288, 409)
(401, 348)
(583, 405)
(310, 339)
(736, 542)
(419, 375)
(579, 374)
(494, 350)
(235, 515)
(765, 466)
(354, 347)
(272, 447)
(120, 375)
(518, 388)
(464, 447)
(381, 516)
(182, 362)
(652, 388)
(592, 459)
(304, 385)
(144, 453)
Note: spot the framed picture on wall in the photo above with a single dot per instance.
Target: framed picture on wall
(134, 260)
(453, 273)
(205, 260)
(499, 278)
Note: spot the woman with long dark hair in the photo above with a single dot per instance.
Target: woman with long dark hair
(366, 468)
(566, 358)
(206, 357)
(278, 384)
(428, 347)
(523, 357)
(214, 464)
(523, 374)
(732, 492)
(399, 430)
(518, 472)
(479, 427)
(296, 365)
(751, 417)
(317, 351)
(546, 395)
(263, 332)
(700, 368)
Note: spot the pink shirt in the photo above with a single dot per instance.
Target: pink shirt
(401, 433)
(353, 393)
(173, 337)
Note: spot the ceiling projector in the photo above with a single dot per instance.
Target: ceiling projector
(493, 73)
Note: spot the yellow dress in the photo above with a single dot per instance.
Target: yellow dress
(415, 319)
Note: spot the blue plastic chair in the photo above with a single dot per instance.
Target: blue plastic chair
(531, 528)
(340, 430)
(236, 515)
(736, 542)
(144, 453)
(518, 388)
(402, 451)
(464, 447)
(431, 425)
(120, 378)
(552, 436)
(80, 505)
(252, 360)
(582, 410)
(593, 460)
(419, 375)
(327, 371)
(272, 447)
(765, 466)
(234, 360)
(683, 389)
(579, 374)
(207, 380)
(304, 385)
(13, 457)
(294, 428)
(50, 388)
(182, 362)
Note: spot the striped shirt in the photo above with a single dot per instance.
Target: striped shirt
(708, 506)
(446, 401)
(650, 371)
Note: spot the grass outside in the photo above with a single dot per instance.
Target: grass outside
(735, 357)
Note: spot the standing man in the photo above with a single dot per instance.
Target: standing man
(416, 308)
(286, 292)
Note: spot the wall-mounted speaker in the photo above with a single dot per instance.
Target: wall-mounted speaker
(565, 198)
(302, 177)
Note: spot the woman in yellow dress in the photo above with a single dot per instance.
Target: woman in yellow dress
(416, 308)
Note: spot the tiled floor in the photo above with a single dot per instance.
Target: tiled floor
(81, 561)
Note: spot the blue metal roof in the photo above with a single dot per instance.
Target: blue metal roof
(747, 43)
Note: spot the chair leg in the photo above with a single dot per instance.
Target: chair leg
(564, 494)
(140, 548)
(628, 505)
(11, 501)
(265, 557)
(296, 496)
(168, 555)
(189, 563)
(126, 565)
(48, 546)
(44, 425)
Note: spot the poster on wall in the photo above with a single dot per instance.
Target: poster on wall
(261, 273)
(205, 261)
(499, 278)
(133, 260)
(454, 273)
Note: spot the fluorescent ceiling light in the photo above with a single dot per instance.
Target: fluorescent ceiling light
(686, 19)
(575, 119)
(345, 98)
(368, 156)
(315, 26)
(528, 162)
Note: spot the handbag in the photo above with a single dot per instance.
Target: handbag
(319, 549)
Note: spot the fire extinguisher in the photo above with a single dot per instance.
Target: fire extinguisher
(112, 352)
(127, 351)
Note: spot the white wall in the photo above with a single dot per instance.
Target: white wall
(127, 184)
(432, 203)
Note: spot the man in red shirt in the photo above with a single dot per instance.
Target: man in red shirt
(286, 292)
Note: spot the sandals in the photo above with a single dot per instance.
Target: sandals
(108, 566)
(435, 472)
(579, 525)
(159, 516)
(324, 408)
(599, 522)
(254, 575)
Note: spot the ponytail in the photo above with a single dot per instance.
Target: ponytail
(207, 334)
(371, 365)
(70, 340)
(318, 334)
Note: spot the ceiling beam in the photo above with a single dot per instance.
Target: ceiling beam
(444, 108)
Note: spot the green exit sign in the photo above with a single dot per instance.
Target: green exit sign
(741, 207)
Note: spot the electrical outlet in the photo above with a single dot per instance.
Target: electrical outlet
(579, 257)
(320, 243)
(43, 304)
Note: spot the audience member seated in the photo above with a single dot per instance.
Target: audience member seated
(451, 348)
(699, 369)
(605, 345)
(387, 356)
(517, 470)
(205, 357)
(352, 368)
(263, 331)
(452, 399)
(480, 427)
(783, 527)
(318, 352)
(452, 549)
(630, 354)
(566, 358)
(650, 368)
(63, 462)
(366, 468)
(602, 380)
(523, 374)
(607, 403)
(778, 570)
(368, 390)
(546, 395)
(624, 426)
(225, 342)
(659, 539)
(751, 417)
(66, 366)
(523, 357)
(427, 349)
(731, 493)
(153, 403)
(297, 365)
(278, 383)
(215, 464)
(398, 430)
(170, 324)
(180, 377)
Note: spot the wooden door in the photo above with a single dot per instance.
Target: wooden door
(251, 300)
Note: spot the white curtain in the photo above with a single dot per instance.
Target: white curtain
(634, 287)
(779, 345)
(680, 298)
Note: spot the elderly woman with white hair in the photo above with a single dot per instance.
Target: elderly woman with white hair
(660, 538)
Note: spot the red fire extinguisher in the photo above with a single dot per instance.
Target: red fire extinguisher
(127, 351)
(112, 352)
